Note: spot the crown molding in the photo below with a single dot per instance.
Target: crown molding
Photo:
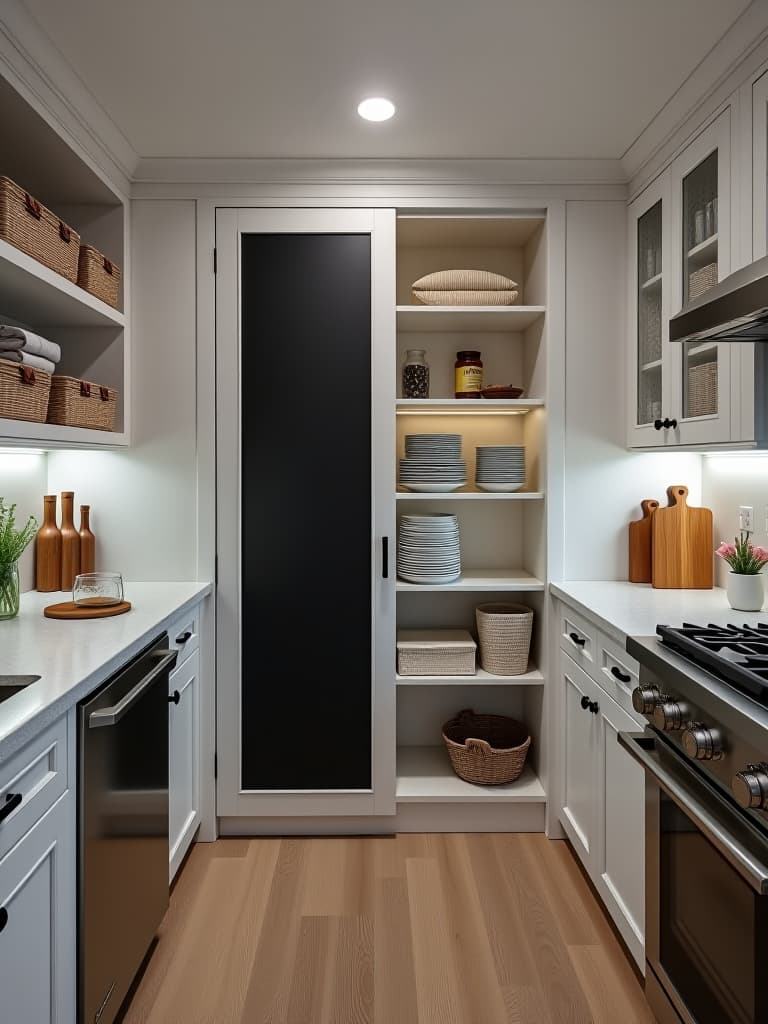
(39, 72)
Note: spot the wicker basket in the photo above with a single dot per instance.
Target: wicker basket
(435, 652)
(79, 403)
(702, 389)
(702, 280)
(24, 392)
(98, 275)
(486, 749)
(32, 227)
(504, 631)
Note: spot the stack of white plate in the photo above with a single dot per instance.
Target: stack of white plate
(500, 467)
(433, 463)
(428, 549)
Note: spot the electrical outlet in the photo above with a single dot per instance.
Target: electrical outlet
(746, 518)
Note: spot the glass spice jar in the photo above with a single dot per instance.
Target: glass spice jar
(415, 374)
(468, 375)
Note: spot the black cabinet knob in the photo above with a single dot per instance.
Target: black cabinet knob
(621, 676)
(590, 705)
(578, 640)
(585, 702)
(3, 918)
(183, 637)
(665, 424)
(12, 801)
(175, 697)
(658, 424)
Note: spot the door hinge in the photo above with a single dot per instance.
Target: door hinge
(214, 261)
(216, 765)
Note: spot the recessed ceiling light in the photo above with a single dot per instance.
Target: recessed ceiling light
(376, 108)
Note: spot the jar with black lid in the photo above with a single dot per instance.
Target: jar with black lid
(468, 375)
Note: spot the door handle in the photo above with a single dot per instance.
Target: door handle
(175, 697)
(385, 558)
(12, 801)
(112, 715)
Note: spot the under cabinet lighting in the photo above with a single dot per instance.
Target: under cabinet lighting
(21, 451)
(376, 108)
(448, 411)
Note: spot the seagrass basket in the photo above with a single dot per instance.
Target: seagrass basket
(79, 403)
(489, 750)
(24, 392)
(28, 225)
(99, 275)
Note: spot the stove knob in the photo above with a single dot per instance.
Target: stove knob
(671, 715)
(703, 743)
(750, 787)
(645, 699)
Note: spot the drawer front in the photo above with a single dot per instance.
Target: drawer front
(578, 637)
(184, 635)
(617, 674)
(31, 782)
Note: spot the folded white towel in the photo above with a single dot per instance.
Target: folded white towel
(38, 362)
(26, 341)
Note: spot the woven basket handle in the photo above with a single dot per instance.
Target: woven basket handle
(32, 206)
(65, 232)
(27, 375)
(85, 389)
(109, 266)
(479, 746)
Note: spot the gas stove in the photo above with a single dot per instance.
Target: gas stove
(705, 690)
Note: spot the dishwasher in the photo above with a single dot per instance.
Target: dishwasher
(122, 828)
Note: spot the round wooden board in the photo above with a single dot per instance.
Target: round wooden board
(69, 610)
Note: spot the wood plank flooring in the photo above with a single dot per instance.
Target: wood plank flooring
(411, 929)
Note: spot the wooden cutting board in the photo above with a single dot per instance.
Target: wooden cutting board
(70, 610)
(681, 541)
(640, 567)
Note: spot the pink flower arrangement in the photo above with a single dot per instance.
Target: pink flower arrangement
(744, 558)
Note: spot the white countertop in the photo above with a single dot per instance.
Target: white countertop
(73, 658)
(636, 609)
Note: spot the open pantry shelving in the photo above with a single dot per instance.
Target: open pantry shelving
(503, 535)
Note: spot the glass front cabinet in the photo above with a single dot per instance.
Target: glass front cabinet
(680, 246)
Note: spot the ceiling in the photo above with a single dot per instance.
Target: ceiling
(483, 79)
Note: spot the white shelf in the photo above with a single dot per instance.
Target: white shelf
(35, 295)
(479, 580)
(703, 253)
(471, 406)
(651, 283)
(533, 677)
(20, 434)
(470, 496)
(425, 775)
(498, 319)
(653, 365)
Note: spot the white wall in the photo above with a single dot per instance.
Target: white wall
(730, 481)
(23, 480)
(144, 499)
(604, 484)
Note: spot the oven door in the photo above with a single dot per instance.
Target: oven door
(706, 896)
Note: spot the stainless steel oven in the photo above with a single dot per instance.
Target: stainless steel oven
(706, 895)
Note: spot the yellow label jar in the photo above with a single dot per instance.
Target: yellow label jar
(468, 375)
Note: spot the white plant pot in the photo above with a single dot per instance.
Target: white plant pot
(746, 593)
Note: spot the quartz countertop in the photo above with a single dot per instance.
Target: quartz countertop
(636, 609)
(74, 657)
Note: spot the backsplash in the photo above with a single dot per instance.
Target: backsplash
(729, 481)
(23, 480)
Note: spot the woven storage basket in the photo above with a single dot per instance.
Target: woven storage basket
(98, 275)
(24, 392)
(504, 631)
(702, 280)
(32, 227)
(79, 403)
(702, 389)
(486, 749)
(435, 652)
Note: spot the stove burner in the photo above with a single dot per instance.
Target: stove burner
(736, 654)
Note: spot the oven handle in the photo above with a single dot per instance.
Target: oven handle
(753, 870)
(112, 715)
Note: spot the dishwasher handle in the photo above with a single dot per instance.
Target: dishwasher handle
(112, 715)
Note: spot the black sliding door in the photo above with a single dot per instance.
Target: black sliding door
(306, 511)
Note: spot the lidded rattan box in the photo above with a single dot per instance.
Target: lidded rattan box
(435, 652)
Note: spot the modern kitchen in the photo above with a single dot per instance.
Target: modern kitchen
(432, 345)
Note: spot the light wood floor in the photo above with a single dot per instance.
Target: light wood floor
(413, 929)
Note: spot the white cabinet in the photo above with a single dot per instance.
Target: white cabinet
(184, 757)
(38, 922)
(603, 809)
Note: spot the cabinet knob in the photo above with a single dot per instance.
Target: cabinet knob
(589, 705)
(175, 697)
(665, 424)
(658, 424)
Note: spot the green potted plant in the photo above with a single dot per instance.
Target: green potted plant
(12, 544)
(745, 590)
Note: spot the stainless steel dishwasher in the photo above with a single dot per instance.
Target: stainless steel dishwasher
(122, 828)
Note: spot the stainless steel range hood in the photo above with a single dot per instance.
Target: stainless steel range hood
(736, 309)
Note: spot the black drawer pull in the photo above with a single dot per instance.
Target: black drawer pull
(175, 697)
(578, 640)
(183, 637)
(3, 918)
(621, 676)
(12, 801)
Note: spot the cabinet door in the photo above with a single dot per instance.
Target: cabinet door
(184, 756)
(579, 815)
(620, 875)
(701, 238)
(37, 922)
(650, 387)
(760, 167)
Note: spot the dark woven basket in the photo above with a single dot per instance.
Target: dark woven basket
(486, 749)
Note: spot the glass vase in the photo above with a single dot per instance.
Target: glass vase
(415, 374)
(9, 590)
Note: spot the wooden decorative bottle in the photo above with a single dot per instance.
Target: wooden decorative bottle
(70, 541)
(87, 541)
(48, 549)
